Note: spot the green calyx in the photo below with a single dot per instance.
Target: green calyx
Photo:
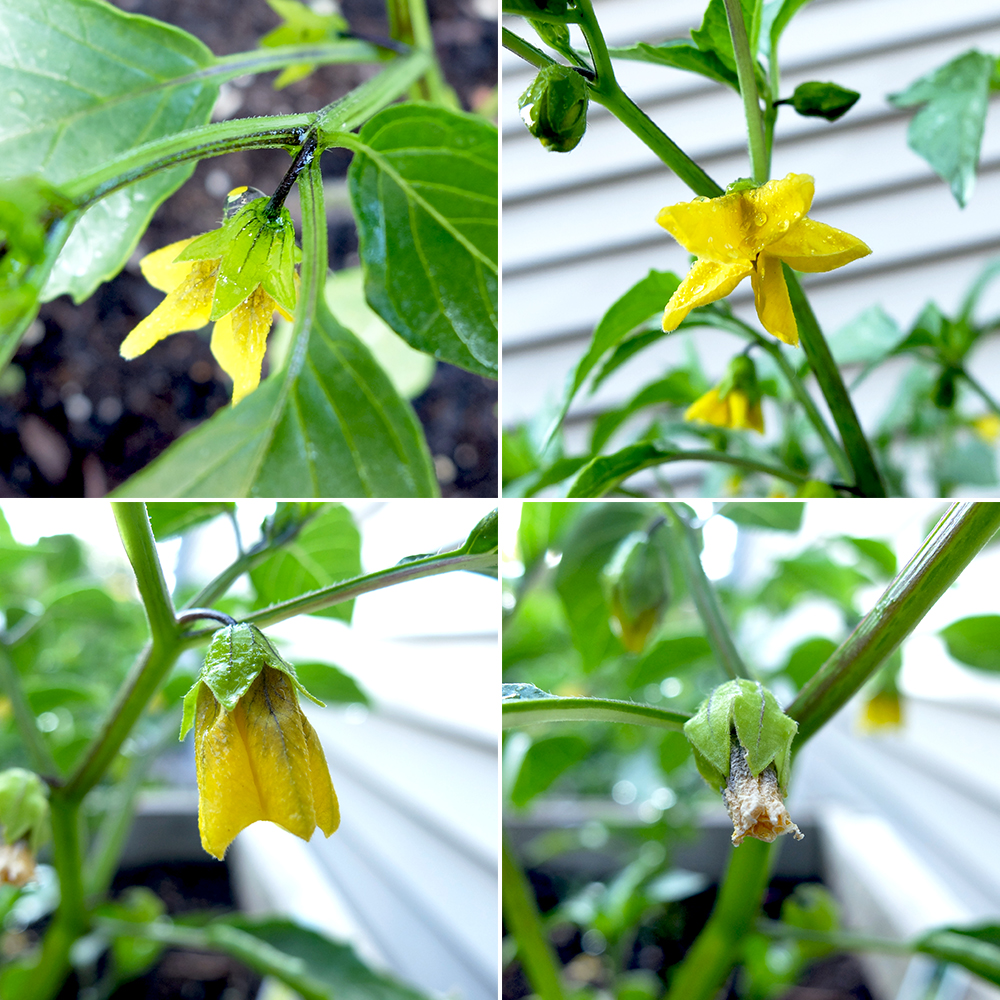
(554, 108)
(235, 657)
(749, 710)
(741, 376)
(24, 807)
(256, 247)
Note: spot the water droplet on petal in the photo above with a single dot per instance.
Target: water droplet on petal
(711, 239)
(760, 218)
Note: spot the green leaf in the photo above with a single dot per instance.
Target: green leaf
(713, 35)
(604, 473)
(667, 657)
(974, 948)
(84, 82)
(424, 192)
(301, 25)
(484, 539)
(777, 14)
(330, 683)
(643, 300)
(972, 461)
(331, 426)
(541, 527)
(133, 955)
(823, 100)
(326, 964)
(171, 519)
(948, 131)
(545, 760)
(677, 389)
(680, 55)
(867, 339)
(975, 641)
(807, 657)
(770, 515)
(326, 551)
(877, 553)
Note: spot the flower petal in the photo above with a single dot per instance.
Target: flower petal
(705, 282)
(239, 340)
(186, 307)
(228, 799)
(159, 269)
(770, 295)
(739, 225)
(742, 415)
(815, 246)
(710, 408)
(324, 797)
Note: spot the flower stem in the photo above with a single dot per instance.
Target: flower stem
(606, 91)
(712, 956)
(534, 711)
(949, 548)
(980, 390)
(525, 924)
(716, 629)
(523, 48)
(745, 64)
(866, 474)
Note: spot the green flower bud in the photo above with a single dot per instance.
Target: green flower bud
(741, 376)
(636, 585)
(823, 100)
(554, 108)
(742, 744)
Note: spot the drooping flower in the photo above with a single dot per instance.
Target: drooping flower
(734, 402)
(24, 824)
(257, 756)
(751, 232)
(238, 276)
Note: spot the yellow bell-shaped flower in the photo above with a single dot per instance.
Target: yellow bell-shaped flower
(262, 760)
(751, 232)
(734, 402)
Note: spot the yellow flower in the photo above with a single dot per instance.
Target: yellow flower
(883, 711)
(987, 427)
(238, 338)
(262, 760)
(750, 232)
(734, 402)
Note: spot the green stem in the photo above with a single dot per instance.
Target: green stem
(10, 682)
(525, 924)
(745, 74)
(523, 48)
(534, 711)
(249, 949)
(841, 940)
(980, 390)
(866, 474)
(712, 956)
(605, 90)
(933, 568)
(349, 589)
(409, 23)
(716, 629)
(140, 547)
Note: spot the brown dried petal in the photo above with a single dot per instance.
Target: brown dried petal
(17, 863)
(754, 802)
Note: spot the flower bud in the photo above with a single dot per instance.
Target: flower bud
(637, 587)
(24, 821)
(554, 108)
(742, 744)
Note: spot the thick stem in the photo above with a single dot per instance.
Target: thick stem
(409, 23)
(524, 922)
(866, 474)
(745, 65)
(714, 952)
(140, 547)
(709, 609)
(935, 566)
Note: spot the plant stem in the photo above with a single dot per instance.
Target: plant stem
(709, 609)
(866, 474)
(534, 711)
(38, 750)
(981, 392)
(712, 956)
(523, 48)
(525, 924)
(949, 548)
(409, 23)
(348, 589)
(841, 940)
(605, 90)
(748, 90)
(140, 547)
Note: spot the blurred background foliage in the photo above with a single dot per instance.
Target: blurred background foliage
(597, 604)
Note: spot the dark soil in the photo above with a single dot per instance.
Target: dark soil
(77, 420)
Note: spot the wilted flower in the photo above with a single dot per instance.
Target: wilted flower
(238, 276)
(754, 801)
(257, 756)
(751, 232)
(734, 402)
(24, 824)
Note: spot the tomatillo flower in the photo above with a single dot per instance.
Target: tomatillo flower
(237, 276)
(24, 824)
(734, 402)
(751, 232)
(742, 743)
(257, 756)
